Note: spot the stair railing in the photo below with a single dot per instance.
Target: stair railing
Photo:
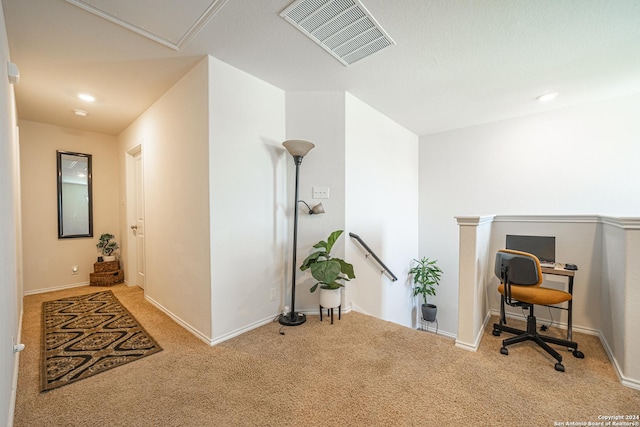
(385, 269)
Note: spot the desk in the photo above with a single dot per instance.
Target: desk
(559, 270)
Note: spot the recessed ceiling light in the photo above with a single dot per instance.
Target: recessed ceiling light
(547, 97)
(86, 97)
(80, 113)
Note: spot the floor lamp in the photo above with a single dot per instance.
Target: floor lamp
(298, 149)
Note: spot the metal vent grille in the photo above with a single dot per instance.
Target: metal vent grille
(344, 28)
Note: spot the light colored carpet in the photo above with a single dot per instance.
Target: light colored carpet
(358, 371)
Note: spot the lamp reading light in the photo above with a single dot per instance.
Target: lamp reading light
(298, 149)
(317, 209)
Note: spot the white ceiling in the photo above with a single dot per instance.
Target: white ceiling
(456, 63)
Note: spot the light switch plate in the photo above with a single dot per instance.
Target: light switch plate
(320, 192)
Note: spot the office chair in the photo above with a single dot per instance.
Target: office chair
(521, 276)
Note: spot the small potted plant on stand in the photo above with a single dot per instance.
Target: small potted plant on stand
(329, 272)
(426, 274)
(107, 247)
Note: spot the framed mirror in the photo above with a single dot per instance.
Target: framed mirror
(75, 204)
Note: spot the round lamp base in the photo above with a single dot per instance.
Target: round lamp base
(292, 319)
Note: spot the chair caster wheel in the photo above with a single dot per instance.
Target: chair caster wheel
(578, 354)
(559, 367)
(504, 351)
(496, 333)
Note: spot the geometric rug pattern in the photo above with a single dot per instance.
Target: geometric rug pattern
(88, 334)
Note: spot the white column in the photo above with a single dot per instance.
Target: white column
(473, 307)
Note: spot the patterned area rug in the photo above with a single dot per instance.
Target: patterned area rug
(86, 335)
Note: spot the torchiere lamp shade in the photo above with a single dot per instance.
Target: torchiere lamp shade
(297, 147)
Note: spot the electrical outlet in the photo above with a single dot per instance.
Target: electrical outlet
(272, 295)
(320, 192)
(75, 269)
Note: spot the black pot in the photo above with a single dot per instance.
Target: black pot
(429, 312)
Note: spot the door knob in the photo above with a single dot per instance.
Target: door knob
(134, 227)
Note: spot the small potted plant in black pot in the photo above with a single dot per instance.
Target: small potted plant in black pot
(426, 275)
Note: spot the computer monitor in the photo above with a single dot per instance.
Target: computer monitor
(544, 247)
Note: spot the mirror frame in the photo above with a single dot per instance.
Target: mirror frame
(61, 233)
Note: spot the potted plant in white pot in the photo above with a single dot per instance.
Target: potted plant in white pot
(426, 275)
(107, 247)
(330, 272)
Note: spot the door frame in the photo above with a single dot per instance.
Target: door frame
(131, 267)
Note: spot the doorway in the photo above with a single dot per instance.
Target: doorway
(135, 218)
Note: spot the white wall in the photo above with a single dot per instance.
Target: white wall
(215, 194)
(248, 193)
(318, 117)
(474, 273)
(382, 208)
(175, 136)
(47, 259)
(10, 236)
(620, 296)
(631, 367)
(613, 287)
(580, 160)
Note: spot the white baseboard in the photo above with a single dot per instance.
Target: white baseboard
(242, 330)
(14, 382)
(476, 344)
(556, 323)
(217, 340)
(628, 382)
(55, 288)
(179, 321)
(447, 334)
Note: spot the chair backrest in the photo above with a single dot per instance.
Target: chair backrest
(518, 268)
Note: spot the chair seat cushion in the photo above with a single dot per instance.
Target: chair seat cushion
(536, 295)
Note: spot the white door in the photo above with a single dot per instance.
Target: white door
(138, 227)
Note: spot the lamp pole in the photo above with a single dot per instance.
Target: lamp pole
(292, 318)
(298, 149)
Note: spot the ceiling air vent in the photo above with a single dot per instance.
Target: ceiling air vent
(344, 28)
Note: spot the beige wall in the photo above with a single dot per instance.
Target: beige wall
(248, 191)
(174, 136)
(214, 190)
(47, 259)
(382, 208)
(10, 239)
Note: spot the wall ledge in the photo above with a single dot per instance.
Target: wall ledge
(627, 223)
(549, 218)
(474, 220)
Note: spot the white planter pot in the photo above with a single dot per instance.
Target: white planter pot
(109, 258)
(330, 298)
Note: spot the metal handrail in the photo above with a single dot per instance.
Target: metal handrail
(368, 249)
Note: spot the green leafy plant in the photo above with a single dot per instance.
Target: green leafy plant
(426, 275)
(328, 271)
(107, 245)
